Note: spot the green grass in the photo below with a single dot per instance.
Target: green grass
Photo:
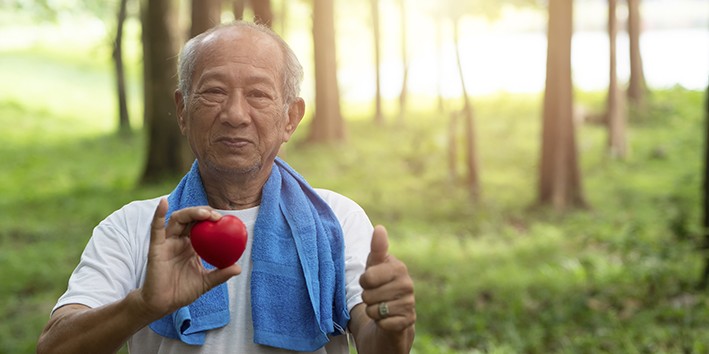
(498, 276)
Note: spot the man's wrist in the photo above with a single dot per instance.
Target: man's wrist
(140, 309)
(394, 342)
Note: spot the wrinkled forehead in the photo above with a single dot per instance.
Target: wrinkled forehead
(238, 43)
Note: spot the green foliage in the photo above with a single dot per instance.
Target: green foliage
(47, 10)
(493, 277)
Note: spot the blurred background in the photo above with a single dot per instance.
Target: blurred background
(540, 164)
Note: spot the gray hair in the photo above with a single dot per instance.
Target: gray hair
(292, 72)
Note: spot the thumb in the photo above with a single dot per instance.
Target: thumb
(157, 227)
(379, 251)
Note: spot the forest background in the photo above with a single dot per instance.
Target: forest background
(495, 270)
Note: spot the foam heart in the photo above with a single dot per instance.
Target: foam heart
(220, 243)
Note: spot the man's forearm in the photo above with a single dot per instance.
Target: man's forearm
(94, 330)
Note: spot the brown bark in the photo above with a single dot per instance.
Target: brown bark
(453, 146)
(168, 154)
(471, 162)
(262, 12)
(637, 86)
(123, 117)
(327, 124)
(560, 179)
(237, 7)
(205, 15)
(615, 113)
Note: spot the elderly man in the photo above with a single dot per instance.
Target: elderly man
(314, 268)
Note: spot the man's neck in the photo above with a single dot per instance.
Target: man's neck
(234, 191)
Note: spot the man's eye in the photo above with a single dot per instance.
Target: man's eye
(213, 91)
(258, 94)
(213, 94)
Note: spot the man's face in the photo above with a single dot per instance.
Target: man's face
(236, 118)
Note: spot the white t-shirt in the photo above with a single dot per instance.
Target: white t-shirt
(114, 262)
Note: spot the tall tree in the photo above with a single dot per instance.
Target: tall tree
(205, 15)
(327, 124)
(404, 60)
(376, 35)
(262, 12)
(560, 178)
(123, 118)
(261, 9)
(636, 87)
(454, 10)
(615, 112)
(167, 152)
(471, 162)
(238, 7)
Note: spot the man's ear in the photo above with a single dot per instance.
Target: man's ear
(180, 110)
(296, 111)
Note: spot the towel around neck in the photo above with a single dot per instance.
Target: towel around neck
(298, 278)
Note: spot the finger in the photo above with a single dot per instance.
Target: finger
(379, 248)
(218, 276)
(397, 323)
(404, 307)
(390, 291)
(181, 219)
(380, 274)
(376, 276)
(157, 226)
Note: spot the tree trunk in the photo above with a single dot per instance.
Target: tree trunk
(636, 87)
(404, 61)
(237, 7)
(205, 15)
(262, 12)
(378, 116)
(616, 119)
(167, 152)
(560, 179)
(123, 118)
(327, 124)
(453, 147)
(471, 163)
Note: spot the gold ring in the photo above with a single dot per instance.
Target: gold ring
(383, 310)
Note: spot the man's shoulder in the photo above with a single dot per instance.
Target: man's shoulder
(339, 203)
(134, 210)
(141, 206)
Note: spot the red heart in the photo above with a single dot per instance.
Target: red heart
(220, 242)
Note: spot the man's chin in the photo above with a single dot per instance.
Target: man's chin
(234, 167)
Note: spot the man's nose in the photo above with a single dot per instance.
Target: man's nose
(236, 110)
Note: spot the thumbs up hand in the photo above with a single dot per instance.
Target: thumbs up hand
(388, 290)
